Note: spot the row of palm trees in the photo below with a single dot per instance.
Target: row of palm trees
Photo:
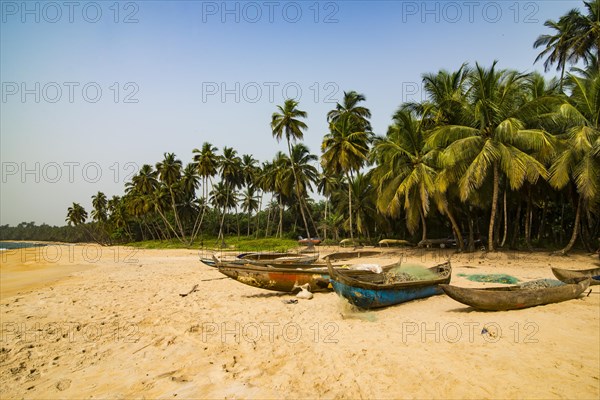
(512, 146)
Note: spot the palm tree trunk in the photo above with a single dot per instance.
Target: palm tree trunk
(494, 207)
(325, 226)
(221, 235)
(268, 221)
(456, 228)
(280, 227)
(571, 243)
(164, 218)
(350, 206)
(505, 234)
(423, 224)
(528, 215)
(197, 229)
(177, 221)
(257, 224)
(471, 235)
(543, 221)
(297, 185)
(517, 225)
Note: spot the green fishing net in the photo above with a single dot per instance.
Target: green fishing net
(492, 278)
(408, 273)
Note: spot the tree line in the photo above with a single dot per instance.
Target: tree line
(498, 155)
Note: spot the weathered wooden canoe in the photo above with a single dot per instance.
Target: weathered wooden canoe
(211, 262)
(283, 259)
(278, 279)
(284, 277)
(572, 276)
(309, 241)
(347, 255)
(262, 256)
(370, 291)
(515, 297)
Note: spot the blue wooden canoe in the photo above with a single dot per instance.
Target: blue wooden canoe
(370, 291)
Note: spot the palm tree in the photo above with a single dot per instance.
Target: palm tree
(99, 203)
(249, 203)
(231, 177)
(586, 40)
(579, 160)
(492, 139)
(576, 37)
(304, 163)
(100, 215)
(350, 108)
(169, 174)
(76, 215)
(286, 122)
(140, 193)
(327, 185)
(406, 174)
(346, 146)
(207, 163)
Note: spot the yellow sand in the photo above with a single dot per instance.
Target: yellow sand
(111, 324)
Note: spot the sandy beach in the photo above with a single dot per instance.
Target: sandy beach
(109, 322)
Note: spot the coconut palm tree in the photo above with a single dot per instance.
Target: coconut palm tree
(579, 160)
(140, 193)
(304, 163)
(327, 185)
(249, 203)
(493, 139)
(76, 215)
(405, 176)
(350, 108)
(576, 37)
(169, 174)
(586, 40)
(207, 163)
(232, 178)
(346, 147)
(99, 203)
(287, 122)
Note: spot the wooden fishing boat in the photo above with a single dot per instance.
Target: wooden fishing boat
(209, 262)
(370, 291)
(572, 276)
(280, 258)
(281, 279)
(286, 277)
(262, 256)
(309, 241)
(515, 297)
(347, 255)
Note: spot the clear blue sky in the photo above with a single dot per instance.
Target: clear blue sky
(92, 90)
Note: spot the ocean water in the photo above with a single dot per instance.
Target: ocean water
(18, 245)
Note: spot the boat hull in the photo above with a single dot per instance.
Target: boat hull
(362, 291)
(571, 276)
(368, 298)
(514, 297)
(277, 279)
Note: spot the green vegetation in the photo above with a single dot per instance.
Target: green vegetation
(492, 156)
(214, 243)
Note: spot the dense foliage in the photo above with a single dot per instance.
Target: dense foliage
(496, 155)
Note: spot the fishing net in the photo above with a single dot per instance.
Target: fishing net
(541, 284)
(408, 273)
(492, 278)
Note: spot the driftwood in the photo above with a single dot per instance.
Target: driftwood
(213, 279)
(194, 289)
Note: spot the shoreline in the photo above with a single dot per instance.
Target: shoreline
(74, 337)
